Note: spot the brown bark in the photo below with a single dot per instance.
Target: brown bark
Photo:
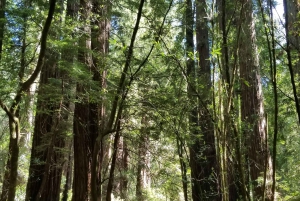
(100, 36)
(82, 142)
(81, 160)
(252, 109)
(209, 167)
(203, 159)
(193, 120)
(51, 126)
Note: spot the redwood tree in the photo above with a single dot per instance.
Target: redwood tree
(203, 159)
(252, 108)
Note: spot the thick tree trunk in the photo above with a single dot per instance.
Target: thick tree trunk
(208, 167)
(81, 160)
(51, 125)
(252, 109)
(100, 36)
(81, 125)
(203, 159)
(193, 116)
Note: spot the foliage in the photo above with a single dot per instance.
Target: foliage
(156, 88)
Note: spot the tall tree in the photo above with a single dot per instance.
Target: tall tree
(50, 130)
(208, 168)
(143, 159)
(203, 159)
(12, 112)
(233, 179)
(100, 27)
(82, 140)
(291, 9)
(252, 108)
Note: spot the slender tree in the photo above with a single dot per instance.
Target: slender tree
(9, 190)
(291, 9)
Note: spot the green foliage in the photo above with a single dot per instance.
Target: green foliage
(157, 90)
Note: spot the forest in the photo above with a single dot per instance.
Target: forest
(149, 100)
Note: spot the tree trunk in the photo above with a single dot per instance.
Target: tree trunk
(292, 8)
(183, 165)
(68, 174)
(208, 168)
(81, 125)
(81, 159)
(11, 172)
(233, 181)
(142, 181)
(203, 159)
(51, 125)
(191, 90)
(13, 111)
(124, 163)
(100, 36)
(252, 109)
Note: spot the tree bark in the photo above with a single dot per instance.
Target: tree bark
(191, 89)
(11, 172)
(252, 109)
(51, 125)
(81, 125)
(208, 167)
(100, 36)
(203, 159)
